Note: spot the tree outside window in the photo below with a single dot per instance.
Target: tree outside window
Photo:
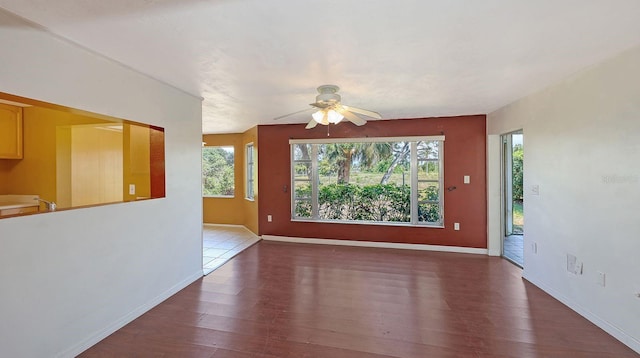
(372, 180)
(218, 171)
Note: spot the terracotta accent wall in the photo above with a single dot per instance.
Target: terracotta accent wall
(464, 154)
(156, 158)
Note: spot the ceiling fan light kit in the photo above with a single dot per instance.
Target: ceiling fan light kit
(325, 116)
(332, 111)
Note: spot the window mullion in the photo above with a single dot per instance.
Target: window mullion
(293, 182)
(414, 182)
(315, 181)
(441, 179)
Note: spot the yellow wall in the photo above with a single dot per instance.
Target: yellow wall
(226, 210)
(137, 162)
(36, 172)
(3, 178)
(96, 165)
(236, 210)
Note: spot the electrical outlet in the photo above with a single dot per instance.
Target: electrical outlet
(132, 189)
(456, 226)
(467, 179)
(269, 218)
(573, 265)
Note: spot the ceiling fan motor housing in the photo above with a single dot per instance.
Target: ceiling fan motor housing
(328, 94)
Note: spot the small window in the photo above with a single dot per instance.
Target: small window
(250, 171)
(218, 171)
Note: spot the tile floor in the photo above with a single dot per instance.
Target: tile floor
(221, 243)
(513, 249)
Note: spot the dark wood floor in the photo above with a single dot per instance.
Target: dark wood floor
(297, 300)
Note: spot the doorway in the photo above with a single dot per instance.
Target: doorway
(513, 198)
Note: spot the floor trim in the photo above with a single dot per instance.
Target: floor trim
(616, 332)
(127, 318)
(224, 225)
(386, 245)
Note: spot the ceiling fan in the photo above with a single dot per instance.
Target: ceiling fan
(331, 110)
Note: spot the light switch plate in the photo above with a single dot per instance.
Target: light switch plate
(132, 189)
(467, 179)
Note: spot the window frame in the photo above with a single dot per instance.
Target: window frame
(233, 171)
(249, 158)
(414, 160)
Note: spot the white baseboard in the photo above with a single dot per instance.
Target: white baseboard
(616, 332)
(231, 225)
(224, 225)
(385, 245)
(127, 318)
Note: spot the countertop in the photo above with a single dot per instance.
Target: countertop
(17, 201)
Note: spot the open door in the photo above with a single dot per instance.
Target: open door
(512, 193)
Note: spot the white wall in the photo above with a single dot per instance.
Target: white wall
(69, 278)
(581, 145)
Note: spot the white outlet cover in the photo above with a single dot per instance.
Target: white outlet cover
(467, 179)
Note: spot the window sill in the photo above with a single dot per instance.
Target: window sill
(217, 197)
(376, 223)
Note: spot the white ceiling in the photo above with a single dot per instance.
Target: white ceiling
(253, 60)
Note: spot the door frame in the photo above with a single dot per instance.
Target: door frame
(506, 186)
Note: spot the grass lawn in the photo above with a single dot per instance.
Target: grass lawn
(518, 217)
(368, 178)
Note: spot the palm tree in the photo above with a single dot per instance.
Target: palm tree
(346, 154)
(400, 153)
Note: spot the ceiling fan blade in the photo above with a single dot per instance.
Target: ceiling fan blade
(365, 112)
(320, 105)
(291, 114)
(311, 124)
(350, 116)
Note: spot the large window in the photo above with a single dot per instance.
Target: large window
(218, 171)
(250, 170)
(371, 180)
